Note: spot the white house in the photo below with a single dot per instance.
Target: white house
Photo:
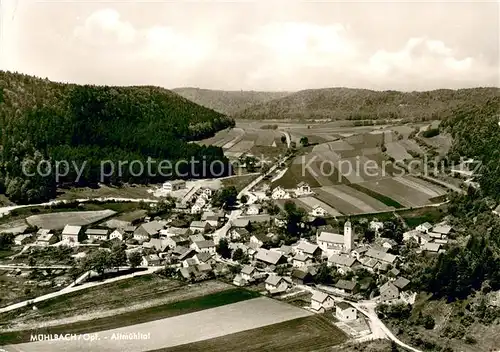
(204, 246)
(71, 234)
(151, 260)
(199, 226)
(303, 189)
(344, 311)
(173, 185)
(248, 272)
(415, 234)
(45, 239)
(20, 240)
(344, 263)
(280, 193)
(97, 234)
(301, 260)
(118, 234)
(321, 301)
(276, 284)
(253, 209)
(425, 227)
(318, 211)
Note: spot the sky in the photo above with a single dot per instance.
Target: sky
(268, 45)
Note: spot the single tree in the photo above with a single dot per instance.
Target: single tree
(304, 141)
(223, 249)
(118, 255)
(135, 259)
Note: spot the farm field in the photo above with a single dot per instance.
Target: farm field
(182, 329)
(123, 303)
(302, 334)
(397, 151)
(311, 202)
(348, 200)
(401, 192)
(57, 221)
(104, 191)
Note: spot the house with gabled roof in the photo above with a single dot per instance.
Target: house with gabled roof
(301, 260)
(321, 301)
(343, 263)
(248, 272)
(204, 246)
(302, 189)
(307, 248)
(148, 230)
(269, 257)
(425, 227)
(345, 286)
(118, 234)
(301, 276)
(71, 234)
(97, 234)
(345, 312)
(151, 260)
(389, 292)
(156, 244)
(199, 226)
(280, 193)
(276, 284)
(205, 257)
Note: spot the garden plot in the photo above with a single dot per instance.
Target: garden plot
(311, 202)
(183, 329)
(397, 151)
(403, 194)
(57, 221)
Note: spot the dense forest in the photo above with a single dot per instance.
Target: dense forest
(476, 134)
(227, 102)
(43, 120)
(474, 264)
(363, 104)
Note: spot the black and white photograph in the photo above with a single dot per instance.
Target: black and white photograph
(249, 175)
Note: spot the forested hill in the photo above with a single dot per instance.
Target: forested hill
(41, 120)
(362, 104)
(227, 102)
(476, 134)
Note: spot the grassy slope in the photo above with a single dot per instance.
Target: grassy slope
(341, 103)
(227, 102)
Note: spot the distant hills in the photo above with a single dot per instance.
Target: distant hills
(339, 103)
(227, 102)
(44, 120)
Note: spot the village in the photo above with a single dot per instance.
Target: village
(332, 269)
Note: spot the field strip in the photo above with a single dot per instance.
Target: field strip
(431, 186)
(312, 202)
(179, 330)
(242, 146)
(239, 135)
(401, 193)
(358, 203)
(417, 186)
(372, 202)
(336, 202)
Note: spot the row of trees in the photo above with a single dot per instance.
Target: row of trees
(102, 260)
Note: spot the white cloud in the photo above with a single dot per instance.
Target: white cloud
(104, 27)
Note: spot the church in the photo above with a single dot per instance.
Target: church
(333, 243)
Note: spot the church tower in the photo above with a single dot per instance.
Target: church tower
(348, 237)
